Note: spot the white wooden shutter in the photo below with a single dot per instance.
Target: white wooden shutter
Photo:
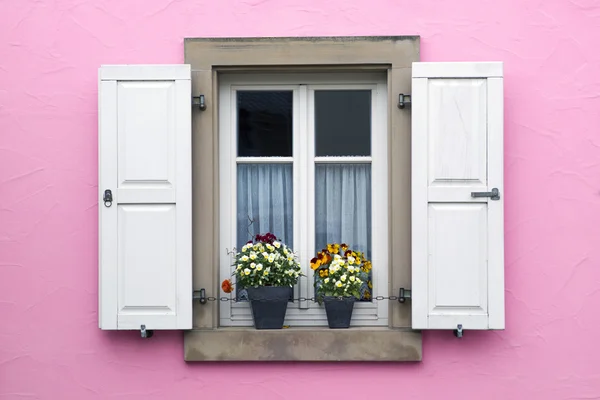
(145, 161)
(457, 239)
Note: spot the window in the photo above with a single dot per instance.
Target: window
(307, 125)
(305, 156)
(214, 61)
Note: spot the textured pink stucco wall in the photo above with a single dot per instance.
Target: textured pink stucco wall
(50, 346)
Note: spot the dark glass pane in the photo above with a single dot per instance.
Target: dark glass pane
(265, 123)
(343, 122)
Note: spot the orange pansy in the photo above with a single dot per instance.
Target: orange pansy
(227, 286)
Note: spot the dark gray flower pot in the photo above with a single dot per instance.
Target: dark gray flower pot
(269, 304)
(339, 311)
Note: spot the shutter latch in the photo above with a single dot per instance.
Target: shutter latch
(493, 195)
(107, 198)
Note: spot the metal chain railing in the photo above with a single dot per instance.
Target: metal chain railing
(200, 295)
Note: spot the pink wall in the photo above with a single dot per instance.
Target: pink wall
(50, 346)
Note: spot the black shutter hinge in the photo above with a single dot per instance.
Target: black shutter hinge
(403, 295)
(200, 295)
(404, 101)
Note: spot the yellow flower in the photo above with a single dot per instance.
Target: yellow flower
(367, 295)
(314, 264)
(333, 248)
(370, 284)
(323, 273)
(367, 266)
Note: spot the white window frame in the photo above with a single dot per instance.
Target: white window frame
(303, 158)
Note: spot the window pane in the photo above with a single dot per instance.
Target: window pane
(264, 201)
(264, 204)
(343, 122)
(343, 206)
(265, 123)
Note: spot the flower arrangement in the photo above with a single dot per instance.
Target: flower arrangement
(264, 261)
(341, 272)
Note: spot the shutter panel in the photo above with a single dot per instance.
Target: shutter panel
(145, 161)
(457, 239)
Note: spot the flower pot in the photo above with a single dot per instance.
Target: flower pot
(269, 304)
(339, 311)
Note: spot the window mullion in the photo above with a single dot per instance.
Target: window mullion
(301, 149)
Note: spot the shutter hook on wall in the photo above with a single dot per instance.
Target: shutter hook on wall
(458, 332)
(146, 333)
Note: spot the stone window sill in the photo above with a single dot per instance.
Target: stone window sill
(303, 344)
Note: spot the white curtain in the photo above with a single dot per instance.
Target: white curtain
(343, 205)
(264, 201)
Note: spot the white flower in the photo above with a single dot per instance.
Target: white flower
(291, 262)
(271, 258)
(244, 247)
(358, 280)
(285, 251)
(244, 258)
(247, 271)
(350, 268)
(266, 273)
(265, 254)
(352, 278)
(252, 265)
(326, 280)
(351, 260)
(277, 244)
(343, 278)
(253, 256)
(338, 284)
(259, 267)
(255, 247)
(337, 257)
(239, 267)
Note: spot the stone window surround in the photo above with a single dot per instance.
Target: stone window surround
(210, 57)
